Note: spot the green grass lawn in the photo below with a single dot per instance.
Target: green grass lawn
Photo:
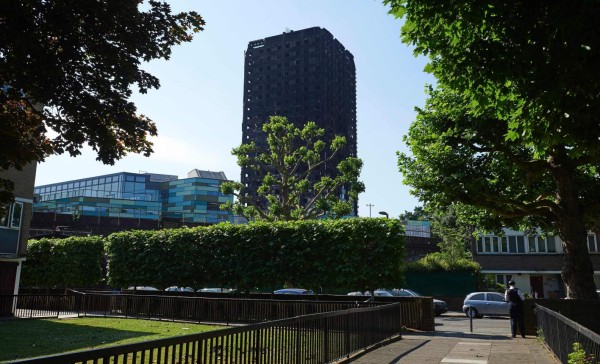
(29, 338)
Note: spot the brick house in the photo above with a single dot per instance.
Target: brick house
(534, 262)
(14, 228)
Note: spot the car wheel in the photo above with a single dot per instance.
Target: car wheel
(471, 312)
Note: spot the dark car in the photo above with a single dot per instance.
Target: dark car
(478, 304)
(439, 306)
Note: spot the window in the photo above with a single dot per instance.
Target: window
(531, 244)
(592, 243)
(495, 297)
(541, 244)
(11, 215)
(495, 247)
(551, 244)
(478, 297)
(512, 244)
(520, 244)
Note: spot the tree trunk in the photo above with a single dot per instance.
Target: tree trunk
(577, 271)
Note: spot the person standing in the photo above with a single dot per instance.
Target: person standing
(514, 297)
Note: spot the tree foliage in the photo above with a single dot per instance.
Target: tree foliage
(512, 127)
(419, 214)
(67, 71)
(442, 261)
(288, 165)
(454, 228)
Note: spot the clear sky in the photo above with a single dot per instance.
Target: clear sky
(198, 109)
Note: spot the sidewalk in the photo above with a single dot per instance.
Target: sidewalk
(489, 343)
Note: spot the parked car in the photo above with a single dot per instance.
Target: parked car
(381, 293)
(216, 290)
(439, 306)
(293, 291)
(179, 289)
(377, 293)
(356, 293)
(142, 288)
(478, 304)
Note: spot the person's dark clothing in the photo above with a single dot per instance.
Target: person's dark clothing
(515, 304)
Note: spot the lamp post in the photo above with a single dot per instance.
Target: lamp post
(370, 205)
(385, 214)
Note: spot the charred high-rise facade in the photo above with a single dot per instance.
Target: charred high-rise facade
(304, 75)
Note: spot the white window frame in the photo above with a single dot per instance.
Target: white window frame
(10, 218)
(501, 245)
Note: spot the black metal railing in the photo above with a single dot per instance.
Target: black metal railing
(560, 333)
(316, 338)
(38, 305)
(218, 310)
(417, 312)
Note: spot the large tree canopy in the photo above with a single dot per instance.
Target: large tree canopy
(67, 69)
(512, 127)
(289, 164)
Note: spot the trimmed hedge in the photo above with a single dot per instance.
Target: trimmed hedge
(70, 262)
(328, 254)
(323, 255)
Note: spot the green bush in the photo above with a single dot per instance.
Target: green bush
(579, 356)
(323, 255)
(70, 262)
(318, 254)
(439, 261)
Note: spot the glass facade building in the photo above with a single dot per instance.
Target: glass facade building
(195, 199)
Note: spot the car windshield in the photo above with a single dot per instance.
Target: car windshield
(414, 293)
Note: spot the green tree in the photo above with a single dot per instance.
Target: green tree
(512, 127)
(67, 71)
(454, 233)
(288, 165)
(418, 214)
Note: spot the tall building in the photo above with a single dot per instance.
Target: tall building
(122, 201)
(304, 75)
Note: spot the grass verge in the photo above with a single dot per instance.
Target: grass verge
(30, 338)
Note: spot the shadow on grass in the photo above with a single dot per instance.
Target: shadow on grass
(30, 338)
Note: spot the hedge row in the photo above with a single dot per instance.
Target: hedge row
(70, 262)
(354, 254)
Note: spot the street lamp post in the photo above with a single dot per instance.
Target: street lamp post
(370, 205)
(385, 214)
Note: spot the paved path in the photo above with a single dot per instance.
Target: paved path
(453, 342)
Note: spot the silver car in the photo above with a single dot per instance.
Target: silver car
(478, 304)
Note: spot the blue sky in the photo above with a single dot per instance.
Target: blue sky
(198, 109)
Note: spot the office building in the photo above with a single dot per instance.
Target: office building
(304, 75)
(125, 200)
